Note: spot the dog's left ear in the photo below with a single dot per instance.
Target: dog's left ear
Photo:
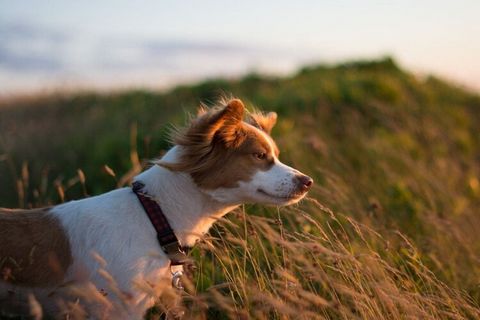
(264, 122)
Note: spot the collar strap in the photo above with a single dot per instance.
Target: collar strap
(165, 235)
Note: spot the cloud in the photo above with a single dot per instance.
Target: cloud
(31, 49)
(125, 54)
(178, 47)
(30, 53)
(25, 48)
(27, 61)
(24, 31)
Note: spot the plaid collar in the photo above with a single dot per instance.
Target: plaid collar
(165, 235)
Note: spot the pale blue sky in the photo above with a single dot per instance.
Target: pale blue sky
(108, 44)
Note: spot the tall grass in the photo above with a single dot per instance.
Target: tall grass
(294, 266)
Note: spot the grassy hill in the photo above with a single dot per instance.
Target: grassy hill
(391, 229)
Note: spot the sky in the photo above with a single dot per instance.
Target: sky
(62, 44)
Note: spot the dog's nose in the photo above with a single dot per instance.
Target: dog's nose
(304, 182)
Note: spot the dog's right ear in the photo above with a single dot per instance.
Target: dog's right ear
(234, 111)
(220, 125)
(230, 133)
(221, 121)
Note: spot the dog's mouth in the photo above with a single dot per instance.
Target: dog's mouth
(286, 198)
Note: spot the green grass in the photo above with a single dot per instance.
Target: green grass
(396, 161)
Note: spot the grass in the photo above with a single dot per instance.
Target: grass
(295, 267)
(391, 229)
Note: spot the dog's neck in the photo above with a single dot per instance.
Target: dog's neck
(189, 211)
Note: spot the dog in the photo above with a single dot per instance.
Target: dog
(103, 252)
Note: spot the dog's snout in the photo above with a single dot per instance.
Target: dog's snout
(304, 182)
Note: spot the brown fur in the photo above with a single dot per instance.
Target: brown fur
(219, 149)
(34, 249)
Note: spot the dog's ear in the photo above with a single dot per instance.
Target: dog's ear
(264, 122)
(220, 122)
(224, 119)
(220, 126)
(234, 112)
(230, 133)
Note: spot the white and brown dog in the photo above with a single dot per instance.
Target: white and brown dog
(106, 245)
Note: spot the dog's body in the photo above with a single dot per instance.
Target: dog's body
(107, 244)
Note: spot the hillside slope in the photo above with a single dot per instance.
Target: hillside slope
(389, 150)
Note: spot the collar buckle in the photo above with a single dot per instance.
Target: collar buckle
(177, 274)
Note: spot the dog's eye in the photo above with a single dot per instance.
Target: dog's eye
(260, 155)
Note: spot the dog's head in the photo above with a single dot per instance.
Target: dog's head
(232, 157)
